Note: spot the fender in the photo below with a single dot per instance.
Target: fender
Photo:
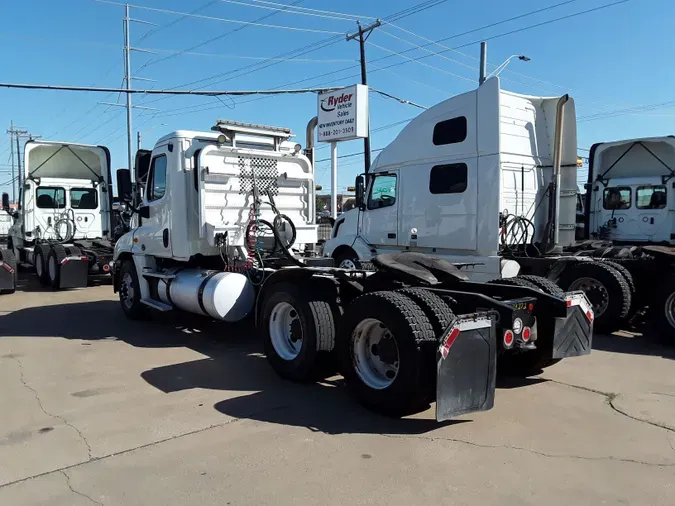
(335, 247)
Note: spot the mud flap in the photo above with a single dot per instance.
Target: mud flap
(74, 272)
(7, 276)
(573, 336)
(466, 367)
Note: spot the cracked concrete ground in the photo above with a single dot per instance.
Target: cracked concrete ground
(97, 410)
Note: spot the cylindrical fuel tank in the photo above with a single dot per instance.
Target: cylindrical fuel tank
(227, 296)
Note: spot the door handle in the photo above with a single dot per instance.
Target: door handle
(651, 222)
(391, 236)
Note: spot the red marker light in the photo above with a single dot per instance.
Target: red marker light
(531, 307)
(526, 334)
(508, 338)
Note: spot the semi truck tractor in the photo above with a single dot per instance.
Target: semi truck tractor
(221, 230)
(487, 180)
(63, 226)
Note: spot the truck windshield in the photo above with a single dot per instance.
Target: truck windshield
(83, 198)
(48, 197)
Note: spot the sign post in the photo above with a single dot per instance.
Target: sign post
(343, 116)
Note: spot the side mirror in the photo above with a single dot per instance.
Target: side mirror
(360, 186)
(144, 212)
(5, 202)
(124, 188)
(142, 164)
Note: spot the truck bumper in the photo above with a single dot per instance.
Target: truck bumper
(573, 334)
(466, 367)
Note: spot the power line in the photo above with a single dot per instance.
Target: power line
(334, 16)
(176, 21)
(353, 17)
(224, 20)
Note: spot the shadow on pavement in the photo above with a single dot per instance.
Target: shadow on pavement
(632, 343)
(28, 282)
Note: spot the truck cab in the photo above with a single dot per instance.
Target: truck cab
(631, 196)
(456, 173)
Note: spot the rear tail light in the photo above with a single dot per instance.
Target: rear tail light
(106, 268)
(508, 338)
(445, 348)
(527, 333)
(8, 268)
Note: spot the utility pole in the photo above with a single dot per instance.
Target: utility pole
(363, 35)
(127, 77)
(17, 180)
(138, 140)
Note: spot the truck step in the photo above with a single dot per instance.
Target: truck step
(158, 275)
(155, 304)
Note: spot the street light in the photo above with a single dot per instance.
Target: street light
(501, 67)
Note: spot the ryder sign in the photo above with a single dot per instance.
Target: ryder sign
(343, 114)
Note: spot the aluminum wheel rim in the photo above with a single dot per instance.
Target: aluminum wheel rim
(38, 265)
(367, 352)
(286, 332)
(595, 291)
(669, 309)
(127, 290)
(51, 264)
(347, 264)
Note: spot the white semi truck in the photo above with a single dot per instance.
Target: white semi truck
(64, 224)
(630, 219)
(221, 231)
(487, 181)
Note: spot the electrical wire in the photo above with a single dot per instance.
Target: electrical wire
(325, 16)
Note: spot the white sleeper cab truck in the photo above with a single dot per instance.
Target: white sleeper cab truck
(487, 181)
(64, 221)
(630, 219)
(222, 228)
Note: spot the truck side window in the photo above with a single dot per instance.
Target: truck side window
(617, 198)
(50, 197)
(382, 192)
(157, 180)
(651, 197)
(449, 178)
(450, 131)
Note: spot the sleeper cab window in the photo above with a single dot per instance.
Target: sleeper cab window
(48, 197)
(448, 178)
(617, 197)
(651, 197)
(450, 131)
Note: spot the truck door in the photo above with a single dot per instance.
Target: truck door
(379, 225)
(153, 234)
(653, 212)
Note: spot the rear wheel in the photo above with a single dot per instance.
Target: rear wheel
(628, 277)
(545, 285)
(605, 288)
(56, 255)
(385, 346)
(40, 255)
(7, 256)
(663, 310)
(298, 324)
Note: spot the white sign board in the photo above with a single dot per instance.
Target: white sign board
(343, 114)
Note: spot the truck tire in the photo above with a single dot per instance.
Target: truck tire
(662, 310)
(130, 292)
(519, 281)
(605, 287)
(348, 260)
(7, 256)
(631, 285)
(386, 346)
(545, 285)
(437, 310)
(40, 255)
(56, 255)
(297, 322)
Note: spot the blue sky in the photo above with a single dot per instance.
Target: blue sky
(616, 62)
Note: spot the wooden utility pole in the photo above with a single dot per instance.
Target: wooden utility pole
(363, 35)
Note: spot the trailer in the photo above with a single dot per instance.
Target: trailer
(63, 227)
(221, 231)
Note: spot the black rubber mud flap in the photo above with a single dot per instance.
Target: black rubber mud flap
(6, 277)
(74, 272)
(573, 335)
(466, 367)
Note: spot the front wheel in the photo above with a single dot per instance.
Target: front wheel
(348, 260)
(130, 292)
(386, 348)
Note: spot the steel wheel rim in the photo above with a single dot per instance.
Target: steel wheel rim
(595, 291)
(38, 265)
(348, 264)
(367, 350)
(51, 264)
(286, 332)
(127, 290)
(669, 309)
